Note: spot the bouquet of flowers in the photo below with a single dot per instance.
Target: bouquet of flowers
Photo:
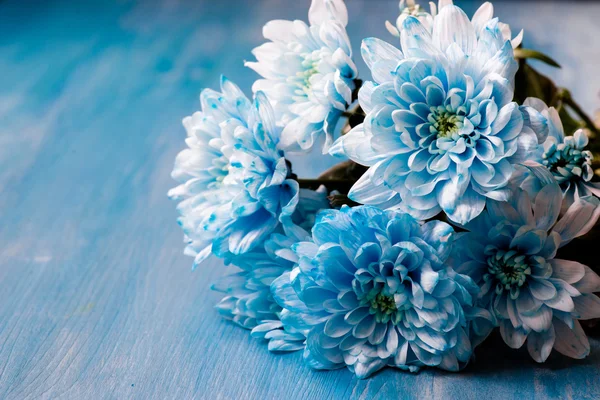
(463, 172)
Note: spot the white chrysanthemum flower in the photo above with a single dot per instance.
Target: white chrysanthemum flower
(479, 20)
(236, 187)
(308, 74)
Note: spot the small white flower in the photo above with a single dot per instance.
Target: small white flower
(308, 74)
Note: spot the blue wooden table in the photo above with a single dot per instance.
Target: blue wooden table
(96, 299)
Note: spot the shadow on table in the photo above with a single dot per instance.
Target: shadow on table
(495, 356)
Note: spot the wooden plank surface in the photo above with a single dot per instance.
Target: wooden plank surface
(96, 299)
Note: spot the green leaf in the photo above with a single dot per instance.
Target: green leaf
(528, 53)
(530, 83)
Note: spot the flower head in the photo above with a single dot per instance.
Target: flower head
(308, 74)
(235, 182)
(371, 289)
(510, 252)
(441, 131)
(566, 157)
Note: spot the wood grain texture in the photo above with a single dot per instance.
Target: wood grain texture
(96, 299)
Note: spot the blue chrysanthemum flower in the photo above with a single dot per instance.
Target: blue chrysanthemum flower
(371, 289)
(308, 74)
(236, 185)
(510, 252)
(566, 157)
(248, 301)
(441, 131)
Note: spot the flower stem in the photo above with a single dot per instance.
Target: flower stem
(338, 200)
(341, 185)
(354, 112)
(355, 115)
(565, 96)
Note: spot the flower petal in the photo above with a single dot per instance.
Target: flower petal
(540, 345)
(568, 271)
(382, 58)
(579, 219)
(452, 25)
(590, 283)
(571, 342)
(587, 306)
(324, 10)
(541, 289)
(513, 337)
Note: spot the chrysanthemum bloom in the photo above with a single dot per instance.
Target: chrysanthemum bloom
(372, 289)
(308, 74)
(441, 131)
(479, 20)
(235, 181)
(510, 252)
(565, 156)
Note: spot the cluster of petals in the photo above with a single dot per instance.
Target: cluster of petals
(235, 184)
(566, 156)
(372, 289)
(308, 74)
(510, 252)
(441, 131)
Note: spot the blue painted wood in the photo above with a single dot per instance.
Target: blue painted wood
(96, 299)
